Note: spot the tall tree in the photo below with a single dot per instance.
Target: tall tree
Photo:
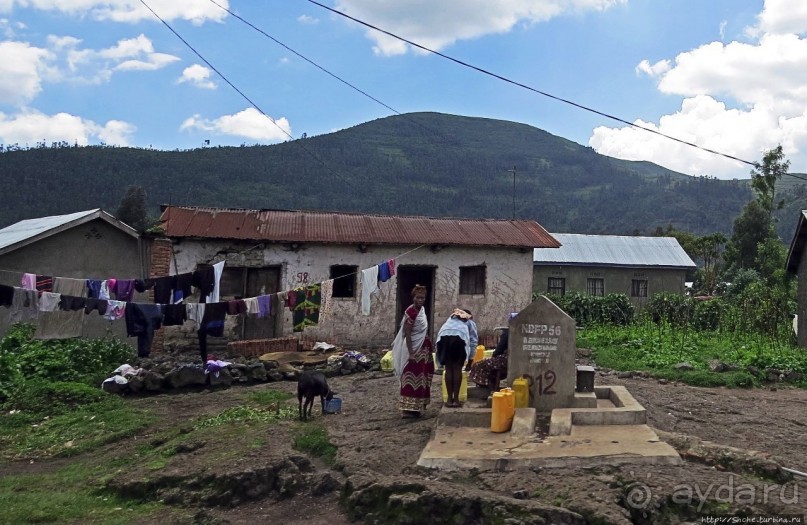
(751, 228)
(754, 235)
(132, 208)
(764, 177)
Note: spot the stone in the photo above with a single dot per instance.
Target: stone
(257, 372)
(185, 376)
(153, 382)
(684, 366)
(224, 378)
(541, 345)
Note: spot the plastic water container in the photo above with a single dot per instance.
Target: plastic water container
(521, 388)
(334, 405)
(510, 397)
(463, 387)
(386, 362)
(480, 353)
(500, 420)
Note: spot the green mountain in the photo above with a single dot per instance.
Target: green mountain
(416, 164)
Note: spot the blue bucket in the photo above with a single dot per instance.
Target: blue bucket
(333, 406)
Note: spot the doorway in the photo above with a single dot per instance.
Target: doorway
(408, 277)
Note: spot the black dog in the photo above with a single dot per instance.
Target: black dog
(309, 385)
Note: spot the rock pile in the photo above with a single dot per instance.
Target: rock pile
(178, 371)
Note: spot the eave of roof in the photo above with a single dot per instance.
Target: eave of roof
(615, 251)
(796, 251)
(29, 231)
(349, 228)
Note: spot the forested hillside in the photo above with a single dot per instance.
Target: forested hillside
(418, 164)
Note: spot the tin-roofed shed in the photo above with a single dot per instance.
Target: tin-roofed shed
(797, 265)
(638, 267)
(484, 265)
(89, 244)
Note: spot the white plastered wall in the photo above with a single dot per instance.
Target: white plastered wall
(508, 284)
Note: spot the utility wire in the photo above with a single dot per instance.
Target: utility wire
(529, 88)
(245, 97)
(278, 42)
(321, 68)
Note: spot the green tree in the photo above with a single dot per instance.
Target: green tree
(755, 227)
(764, 177)
(709, 249)
(132, 208)
(751, 228)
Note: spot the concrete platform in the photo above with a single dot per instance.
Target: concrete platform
(613, 433)
(454, 448)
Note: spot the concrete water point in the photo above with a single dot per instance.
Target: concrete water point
(605, 427)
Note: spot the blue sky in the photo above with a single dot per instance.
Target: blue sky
(730, 75)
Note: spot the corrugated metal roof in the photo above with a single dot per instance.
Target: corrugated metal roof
(29, 230)
(796, 251)
(350, 228)
(615, 250)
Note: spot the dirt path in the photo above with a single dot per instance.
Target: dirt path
(378, 451)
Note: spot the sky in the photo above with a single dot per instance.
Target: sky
(727, 75)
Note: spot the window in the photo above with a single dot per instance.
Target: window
(472, 280)
(344, 276)
(638, 288)
(595, 287)
(556, 286)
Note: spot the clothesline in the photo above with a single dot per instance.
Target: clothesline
(154, 279)
(58, 302)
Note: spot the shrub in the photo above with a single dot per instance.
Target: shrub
(43, 397)
(707, 314)
(589, 309)
(24, 359)
(672, 308)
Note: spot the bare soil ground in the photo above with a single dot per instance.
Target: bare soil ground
(256, 476)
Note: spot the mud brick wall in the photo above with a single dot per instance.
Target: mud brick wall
(258, 347)
(160, 267)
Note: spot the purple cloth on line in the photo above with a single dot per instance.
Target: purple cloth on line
(264, 305)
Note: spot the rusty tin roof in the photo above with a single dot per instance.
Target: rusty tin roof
(350, 228)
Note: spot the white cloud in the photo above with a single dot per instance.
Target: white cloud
(129, 11)
(437, 25)
(30, 127)
(740, 98)
(97, 66)
(708, 123)
(21, 69)
(8, 28)
(309, 20)
(772, 71)
(249, 123)
(783, 16)
(653, 70)
(198, 76)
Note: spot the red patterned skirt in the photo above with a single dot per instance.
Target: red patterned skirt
(416, 381)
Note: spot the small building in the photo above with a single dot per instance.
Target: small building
(638, 267)
(89, 244)
(797, 265)
(483, 265)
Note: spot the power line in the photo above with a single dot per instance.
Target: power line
(244, 96)
(326, 71)
(529, 88)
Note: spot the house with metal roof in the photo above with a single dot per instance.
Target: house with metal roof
(483, 265)
(90, 244)
(797, 265)
(638, 267)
